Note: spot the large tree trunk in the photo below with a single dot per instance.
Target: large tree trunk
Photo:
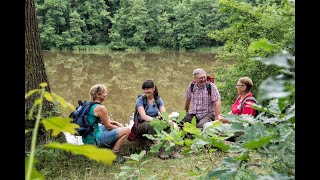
(35, 72)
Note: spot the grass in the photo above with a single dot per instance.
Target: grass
(56, 164)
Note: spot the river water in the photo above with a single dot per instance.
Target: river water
(71, 74)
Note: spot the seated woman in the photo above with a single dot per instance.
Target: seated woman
(110, 134)
(153, 109)
(243, 86)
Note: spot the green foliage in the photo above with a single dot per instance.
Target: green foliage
(129, 172)
(272, 133)
(124, 24)
(64, 23)
(248, 23)
(57, 125)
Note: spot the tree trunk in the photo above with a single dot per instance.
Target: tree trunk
(35, 72)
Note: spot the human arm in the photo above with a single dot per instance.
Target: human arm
(101, 112)
(187, 104)
(217, 109)
(143, 114)
(188, 98)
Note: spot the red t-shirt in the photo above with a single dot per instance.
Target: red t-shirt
(246, 109)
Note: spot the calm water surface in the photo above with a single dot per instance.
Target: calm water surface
(71, 76)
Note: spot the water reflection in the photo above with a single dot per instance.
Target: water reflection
(72, 74)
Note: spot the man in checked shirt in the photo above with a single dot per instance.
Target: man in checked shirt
(206, 106)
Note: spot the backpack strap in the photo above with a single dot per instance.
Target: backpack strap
(208, 86)
(192, 86)
(144, 102)
(248, 98)
(87, 111)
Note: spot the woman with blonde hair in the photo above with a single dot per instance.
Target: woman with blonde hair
(110, 134)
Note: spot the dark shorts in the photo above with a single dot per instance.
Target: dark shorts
(145, 128)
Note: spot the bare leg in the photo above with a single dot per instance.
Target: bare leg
(122, 137)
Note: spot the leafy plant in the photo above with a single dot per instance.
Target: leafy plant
(129, 172)
(57, 125)
(271, 134)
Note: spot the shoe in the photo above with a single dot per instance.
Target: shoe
(175, 155)
(120, 159)
(162, 154)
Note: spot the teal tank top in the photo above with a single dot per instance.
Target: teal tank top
(93, 120)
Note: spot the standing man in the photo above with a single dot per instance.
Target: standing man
(205, 99)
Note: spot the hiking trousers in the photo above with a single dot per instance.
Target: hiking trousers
(200, 122)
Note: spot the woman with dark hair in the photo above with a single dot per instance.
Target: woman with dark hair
(152, 109)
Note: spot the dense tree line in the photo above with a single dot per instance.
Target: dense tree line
(120, 24)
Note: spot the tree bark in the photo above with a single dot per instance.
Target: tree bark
(35, 72)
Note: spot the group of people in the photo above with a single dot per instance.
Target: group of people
(205, 107)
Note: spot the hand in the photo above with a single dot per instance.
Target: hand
(223, 120)
(116, 123)
(220, 116)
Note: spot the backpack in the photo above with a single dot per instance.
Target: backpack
(253, 99)
(134, 129)
(80, 117)
(210, 79)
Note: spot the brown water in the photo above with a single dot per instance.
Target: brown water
(72, 74)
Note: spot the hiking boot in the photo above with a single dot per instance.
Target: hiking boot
(175, 155)
(162, 154)
(120, 159)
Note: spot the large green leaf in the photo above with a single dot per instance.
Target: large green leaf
(220, 144)
(62, 101)
(103, 155)
(257, 143)
(272, 88)
(58, 124)
(280, 60)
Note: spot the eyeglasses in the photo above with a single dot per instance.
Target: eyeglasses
(240, 85)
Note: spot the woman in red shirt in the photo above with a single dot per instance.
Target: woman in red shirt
(243, 86)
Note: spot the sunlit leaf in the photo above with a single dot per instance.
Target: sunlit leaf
(35, 174)
(191, 128)
(59, 125)
(142, 153)
(31, 92)
(188, 142)
(43, 84)
(62, 101)
(135, 157)
(103, 155)
(48, 96)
